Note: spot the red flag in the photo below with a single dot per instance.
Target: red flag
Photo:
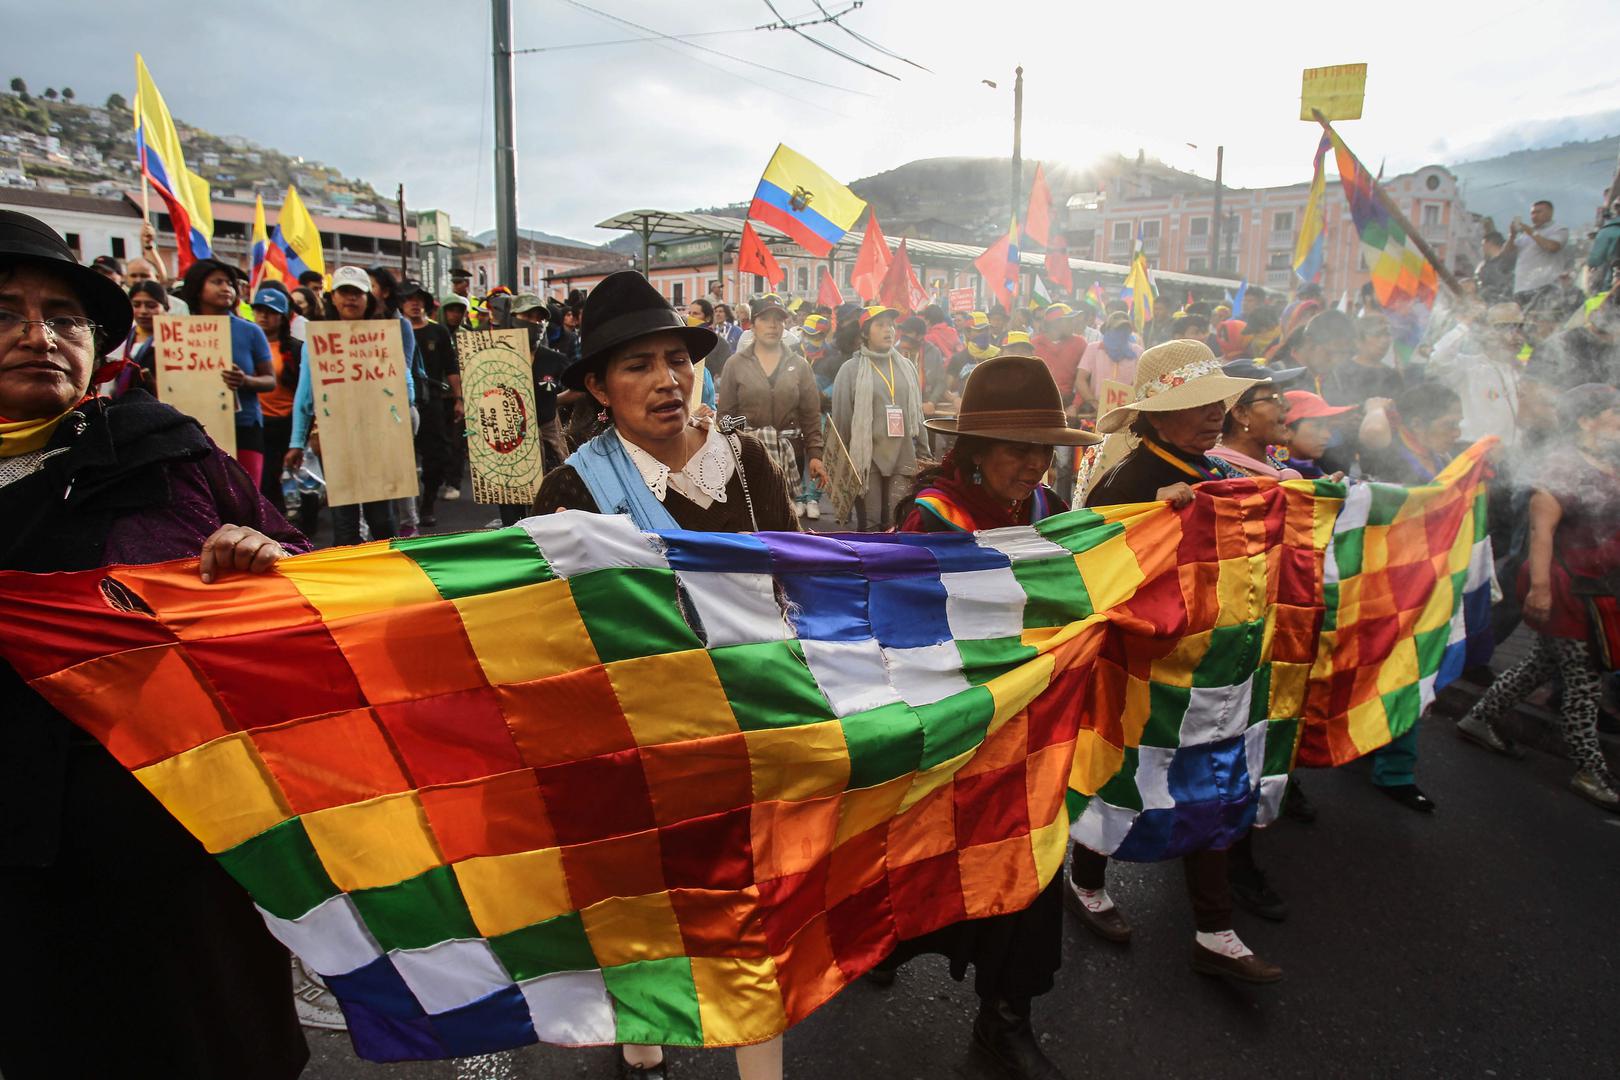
(828, 295)
(872, 262)
(1038, 219)
(753, 257)
(999, 267)
(1057, 264)
(900, 288)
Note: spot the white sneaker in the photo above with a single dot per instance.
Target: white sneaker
(799, 509)
(448, 492)
(812, 511)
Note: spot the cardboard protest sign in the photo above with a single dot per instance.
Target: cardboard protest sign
(362, 410)
(1113, 394)
(503, 433)
(1336, 92)
(191, 352)
(1096, 460)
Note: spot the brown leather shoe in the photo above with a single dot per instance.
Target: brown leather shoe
(1249, 969)
(1109, 925)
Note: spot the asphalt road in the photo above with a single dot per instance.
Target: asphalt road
(1480, 941)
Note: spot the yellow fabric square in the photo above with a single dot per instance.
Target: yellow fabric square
(1401, 668)
(1015, 689)
(925, 783)
(624, 929)
(739, 1001)
(220, 791)
(508, 892)
(1176, 667)
(672, 697)
(1288, 686)
(870, 807)
(531, 632)
(1096, 760)
(1368, 726)
(1438, 608)
(1110, 571)
(1050, 843)
(377, 842)
(327, 579)
(1241, 589)
(797, 763)
(1375, 549)
(1138, 708)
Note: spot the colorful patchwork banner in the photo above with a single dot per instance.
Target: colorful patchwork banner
(571, 782)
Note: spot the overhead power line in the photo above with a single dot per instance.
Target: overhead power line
(818, 43)
(868, 42)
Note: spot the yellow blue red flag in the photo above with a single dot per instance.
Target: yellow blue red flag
(1308, 250)
(296, 246)
(184, 193)
(260, 269)
(799, 197)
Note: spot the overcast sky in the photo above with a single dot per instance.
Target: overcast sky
(399, 90)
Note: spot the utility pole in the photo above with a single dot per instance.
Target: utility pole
(505, 147)
(404, 266)
(1018, 155)
(1215, 223)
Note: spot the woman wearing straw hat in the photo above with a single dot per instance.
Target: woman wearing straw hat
(1177, 414)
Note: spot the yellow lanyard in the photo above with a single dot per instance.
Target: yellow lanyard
(888, 380)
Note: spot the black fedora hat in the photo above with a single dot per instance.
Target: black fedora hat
(625, 306)
(26, 240)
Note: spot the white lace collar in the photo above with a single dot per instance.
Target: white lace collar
(702, 479)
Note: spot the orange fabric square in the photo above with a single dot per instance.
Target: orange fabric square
(998, 877)
(331, 760)
(925, 830)
(233, 604)
(1200, 592)
(566, 717)
(807, 972)
(619, 866)
(1046, 781)
(156, 681)
(406, 653)
(495, 815)
(698, 778)
(791, 837)
(720, 923)
(857, 863)
(1004, 746)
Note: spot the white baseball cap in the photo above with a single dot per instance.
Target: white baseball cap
(354, 277)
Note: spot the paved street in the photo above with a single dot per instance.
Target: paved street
(1478, 942)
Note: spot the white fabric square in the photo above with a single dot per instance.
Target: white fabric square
(1254, 753)
(1481, 565)
(1425, 692)
(1216, 712)
(1271, 793)
(575, 542)
(451, 974)
(736, 609)
(927, 674)
(1020, 542)
(983, 604)
(329, 938)
(852, 674)
(1153, 777)
(1102, 826)
(570, 1008)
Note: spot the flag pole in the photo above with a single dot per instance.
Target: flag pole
(1395, 212)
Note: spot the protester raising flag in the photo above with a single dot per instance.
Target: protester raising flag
(797, 196)
(1309, 249)
(999, 266)
(1401, 273)
(260, 251)
(1139, 287)
(753, 257)
(163, 166)
(872, 262)
(295, 247)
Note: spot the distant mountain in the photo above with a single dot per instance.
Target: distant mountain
(487, 237)
(1573, 176)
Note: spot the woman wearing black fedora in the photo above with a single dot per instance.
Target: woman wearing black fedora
(137, 954)
(636, 361)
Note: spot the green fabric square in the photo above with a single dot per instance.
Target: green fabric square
(1078, 530)
(1347, 553)
(1056, 593)
(1121, 788)
(1386, 502)
(1330, 605)
(884, 743)
(990, 658)
(280, 870)
(1431, 646)
(1280, 736)
(1401, 709)
(1075, 804)
(770, 685)
(1260, 695)
(1481, 519)
(955, 725)
(631, 612)
(1166, 706)
(417, 912)
(655, 1002)
(1232, 656)
(557, 944)
(467, 564)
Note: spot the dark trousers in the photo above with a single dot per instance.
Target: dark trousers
(346, 522)
(1207, 884)
(435, 442)
(277, 433)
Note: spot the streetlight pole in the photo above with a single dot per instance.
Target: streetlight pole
(505, 147)
(1215, 226)
(1017, 156)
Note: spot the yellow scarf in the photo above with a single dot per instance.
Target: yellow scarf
(989, 352)
(25, 436)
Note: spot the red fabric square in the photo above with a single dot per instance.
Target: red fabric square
(1297, 572)
(565, 717)
(857, 863)
(597, 797)
(862, 929)
(623, 866)
(453, 737)
(720, 923)
(1054, 716)
(1411, 583)
(54, 621)
(714, 852)
(330, 761)
(927, 895)
(991, 806)
(498, 815)
(806, 971)
(237, 668)
(698, 777)
(786, 904)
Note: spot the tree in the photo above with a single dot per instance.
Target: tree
(50, 93)
(67, 93)
(18, 86)
(116, 101)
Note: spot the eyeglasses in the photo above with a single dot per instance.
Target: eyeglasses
(1275, 399)
(60, 327)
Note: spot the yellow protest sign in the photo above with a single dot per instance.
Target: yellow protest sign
(191, 352)
(362, 410)
(503, 434)
(1334, 91)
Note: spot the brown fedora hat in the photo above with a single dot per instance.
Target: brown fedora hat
(1013, 399)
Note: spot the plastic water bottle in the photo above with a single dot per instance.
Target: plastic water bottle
(289, 488)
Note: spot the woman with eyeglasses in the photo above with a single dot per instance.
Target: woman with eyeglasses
(137, 953)
(1254, 435)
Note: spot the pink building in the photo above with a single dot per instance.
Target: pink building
(538, 264)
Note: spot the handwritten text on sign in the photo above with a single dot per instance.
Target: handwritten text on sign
(192, 353)
(362, 410)
(503, 435)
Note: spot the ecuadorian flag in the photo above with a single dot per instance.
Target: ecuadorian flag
(797, 196)
(295, 248)
(184, 193)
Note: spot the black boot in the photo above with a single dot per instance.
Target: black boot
(1003, 1035)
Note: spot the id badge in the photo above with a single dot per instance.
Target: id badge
(897, 421)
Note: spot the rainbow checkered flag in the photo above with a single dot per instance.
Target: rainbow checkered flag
(571, 782)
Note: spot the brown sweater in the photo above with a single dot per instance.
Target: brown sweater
(789, 400)
(562, 489)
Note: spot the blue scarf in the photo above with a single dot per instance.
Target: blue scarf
(617, 485)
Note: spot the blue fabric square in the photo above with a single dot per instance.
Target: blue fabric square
(727, 553)
(379, 1037)
(377, 986)
(908, 613)
(830, 607)
(957, 552)
(496, 1022)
